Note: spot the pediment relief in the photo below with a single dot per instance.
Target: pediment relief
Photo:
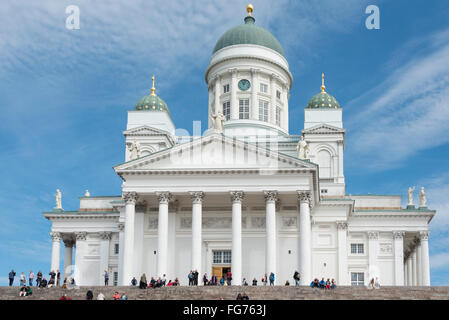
(145, 130)
(323, 129)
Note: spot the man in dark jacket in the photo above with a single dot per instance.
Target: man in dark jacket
(195, 277)
(38, 279)
(11, 276)
(89, 295)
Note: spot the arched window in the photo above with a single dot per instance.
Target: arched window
(324, 161)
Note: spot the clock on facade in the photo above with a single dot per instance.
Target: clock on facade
(244, 84)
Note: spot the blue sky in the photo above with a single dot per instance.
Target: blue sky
(64, 96)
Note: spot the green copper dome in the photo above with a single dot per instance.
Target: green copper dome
(249, 33)
(152, 102)
(323, 100)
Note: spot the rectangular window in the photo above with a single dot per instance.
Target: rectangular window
(222, 257)
(357, 279)
(278, 115)
(263, 88)
(357, 248)
(226, 88)
(278, 94)
(263, 110)
(244, 109)
(227, 110)
(115, 278)
(116, 248)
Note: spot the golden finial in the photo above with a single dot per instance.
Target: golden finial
(322, 83)
(249, 9)
(153, 89)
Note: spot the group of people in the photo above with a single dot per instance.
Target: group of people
(153, 283)
(323, 284)
(54, 279)
(374, 283)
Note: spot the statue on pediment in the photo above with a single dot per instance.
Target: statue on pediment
(58, 198)
(218, 121)
(410, 195)
(303, 148)
(134, 149)
(422, 198)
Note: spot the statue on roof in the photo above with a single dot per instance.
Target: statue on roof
(218, 121)
(303, 148)
(58, 198)
(410, 195)
(134, 149)
(422, 198)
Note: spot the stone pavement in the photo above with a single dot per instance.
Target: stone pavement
(230, 293)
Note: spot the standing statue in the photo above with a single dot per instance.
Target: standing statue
(58, 197)
(87, 193)
(410, 195)
(302, 148)
(134, 148)
(218, 121)
(422, 198)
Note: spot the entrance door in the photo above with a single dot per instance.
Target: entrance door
(217, 271)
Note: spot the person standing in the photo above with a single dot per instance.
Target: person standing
(31, 278)
(58, 278)
(272, 279)
(195, 277)
(22, 279)
(106, 278)
(297, 277)
(229, 277)
(11, 276)
(52, 275)
(164, 279)
(254, 281)
(38, 279)
(190, 276)
(205, 279)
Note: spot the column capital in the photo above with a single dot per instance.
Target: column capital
(398, 234)
(121, 226)
(270, 195)
(305, 196)
(130, 197)
(55, 236)
(197, 196)
(164, 197)
(342, 225)
(373, 235)
(424, 235)
(237, 196)
(80, 235)
(105, 235)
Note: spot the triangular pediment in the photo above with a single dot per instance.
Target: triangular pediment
(323, 128)
(145, 131)
(215, 152)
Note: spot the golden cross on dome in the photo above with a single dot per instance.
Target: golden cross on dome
(249, 9)
(322, 83)
(153, 89)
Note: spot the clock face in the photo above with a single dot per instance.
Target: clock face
(244, 84)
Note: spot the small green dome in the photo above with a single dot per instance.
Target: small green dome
(249, 33)
(152, 103)
(323, 100)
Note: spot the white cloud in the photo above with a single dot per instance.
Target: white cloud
(411, 108)
(437, 193)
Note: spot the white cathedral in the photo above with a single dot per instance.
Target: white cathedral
(247, 196)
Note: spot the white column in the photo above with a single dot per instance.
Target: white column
(67, 272)
(405, 273)
(104, 255)
(425, 264)
(79, 254)
(172, 266)
(197, 207)
(270, 225)
(234, 101)
(409, 270)
(128, 254)
(254, 89)
(285, 108)
(398, 237)
(415, 272)
(162, 233)
(341, 176)
(139, 221)
(373, 237)
(217, 94)
(272, 115)
(342, 228)
(418, 262)
(121, 256)
(236, 260)
(305, 238)
(55, 250)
